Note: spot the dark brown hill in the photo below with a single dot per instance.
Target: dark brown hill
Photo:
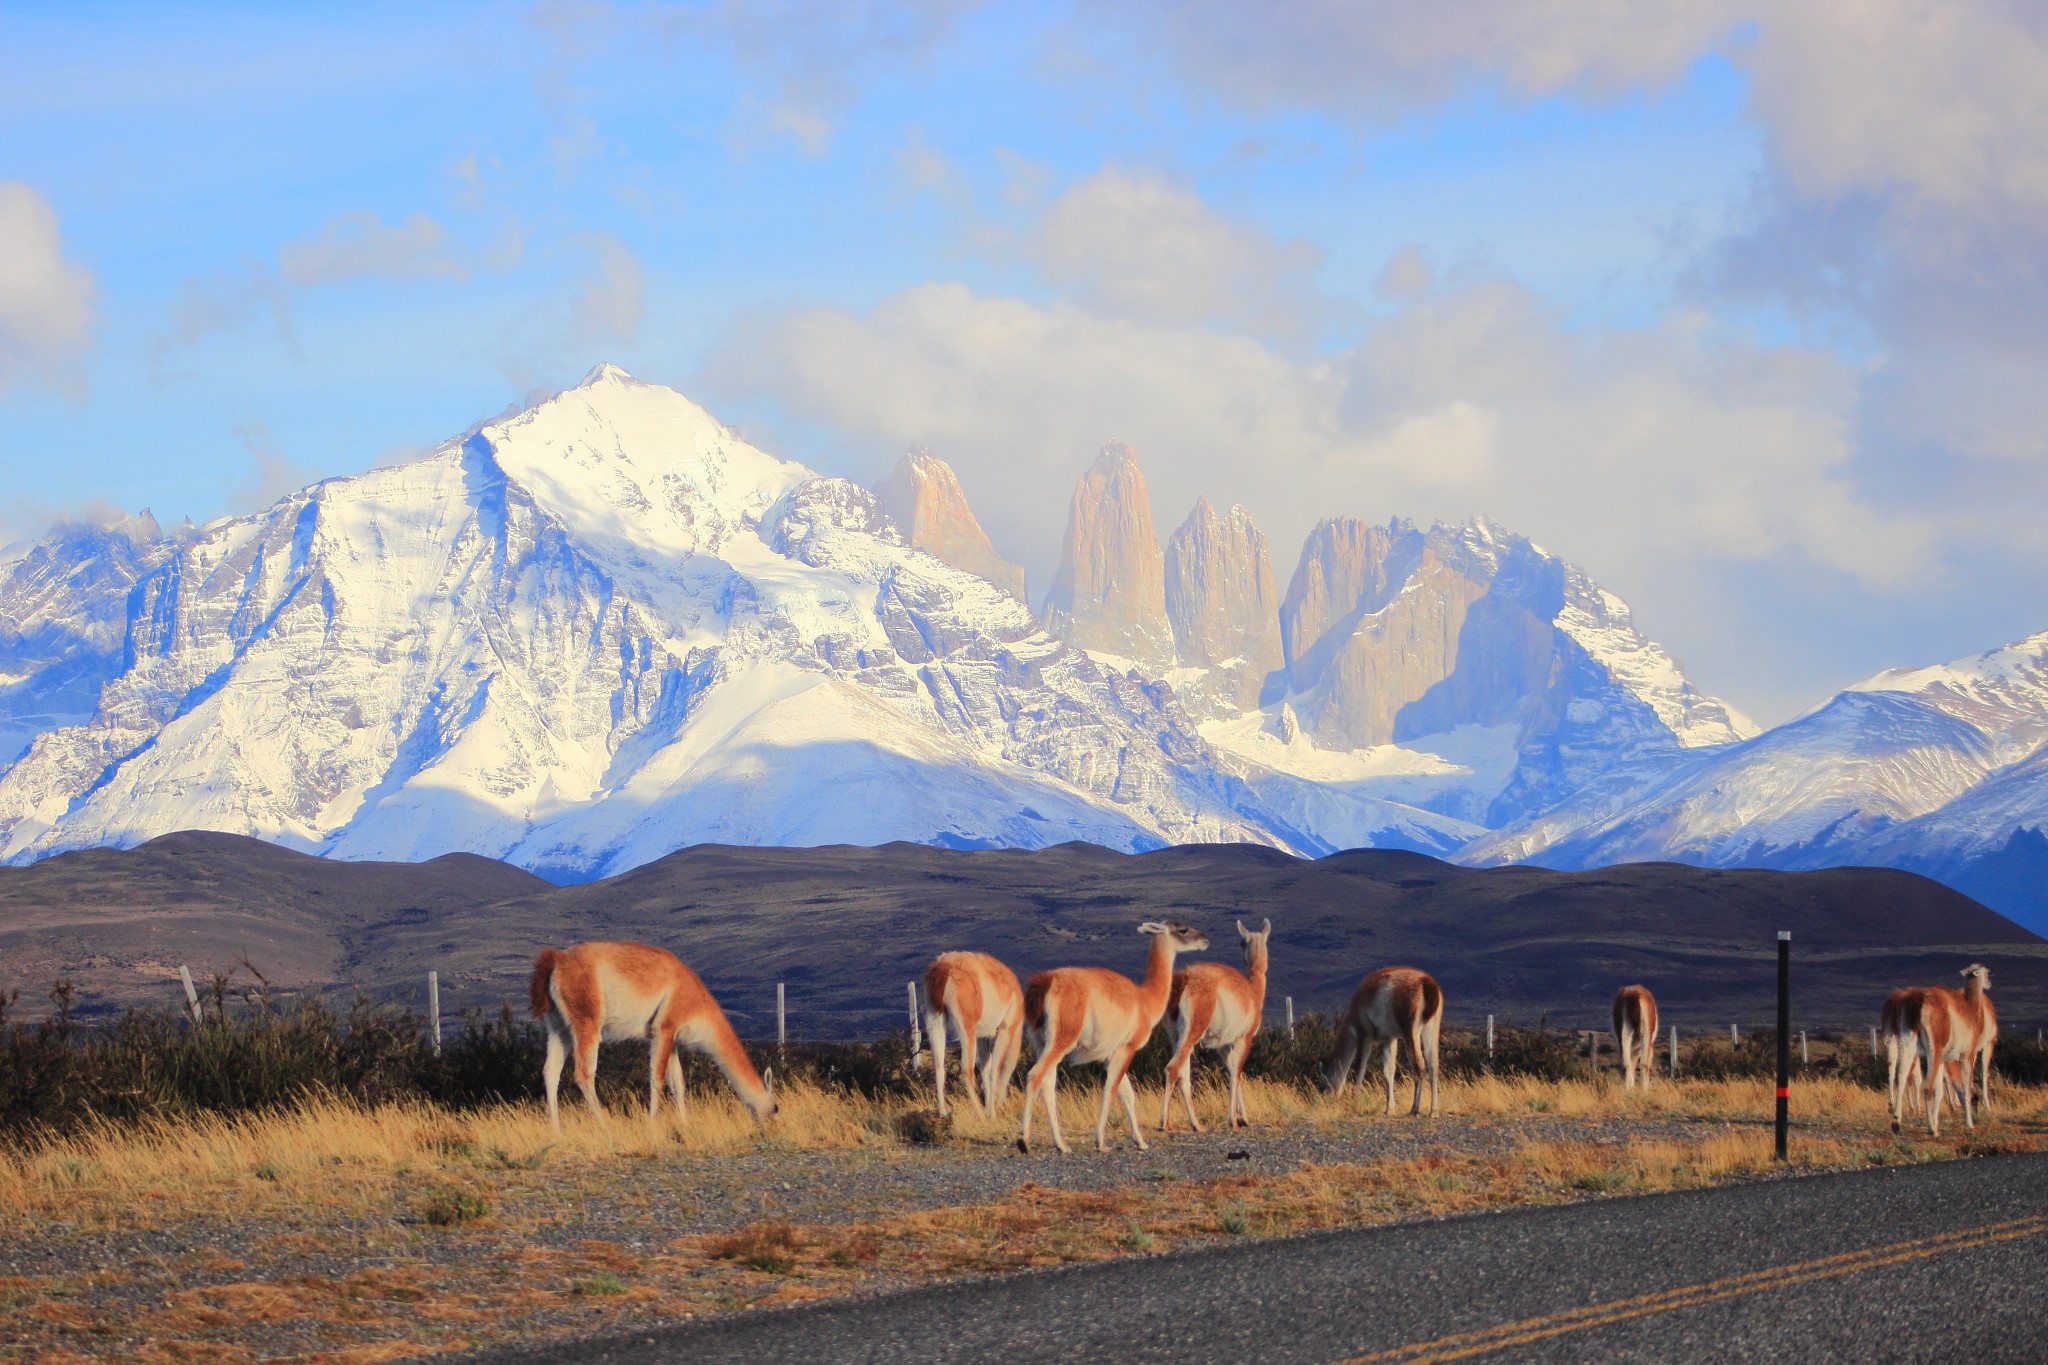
(118, 922)
(847, 927)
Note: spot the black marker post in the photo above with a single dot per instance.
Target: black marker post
(1784, 1036)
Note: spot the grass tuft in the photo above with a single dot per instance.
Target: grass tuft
(604, 1284)
(452, 1205)
(768, 1247)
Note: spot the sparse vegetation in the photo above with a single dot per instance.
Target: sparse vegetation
(452, 1205)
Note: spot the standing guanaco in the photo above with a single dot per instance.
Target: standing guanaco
(595, 992)
(1091, 1014)
(1218, 1007)
(1393, 1005)
(983, 1000)
(1635, 1032)
(1953, 1027)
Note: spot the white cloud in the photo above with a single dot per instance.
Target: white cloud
(1652, 456)
(811, 60)
(347, 247)
(362, 246)
(1140, 245)
(45, 300)
(1377, 58)
(275, 473)
(607, 303)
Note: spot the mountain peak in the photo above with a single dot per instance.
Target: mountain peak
(604, 372)
(639, 464)
(924, 498)
(1109, 593)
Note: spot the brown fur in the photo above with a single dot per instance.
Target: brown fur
(1635, 1033)
(980, 998)
(1392, 1006)
(1219, 1007)
(1954, 1027)
(630, 990)
(1089, 1014)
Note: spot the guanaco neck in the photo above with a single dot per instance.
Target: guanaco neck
(1152, 991)
(1255, 972)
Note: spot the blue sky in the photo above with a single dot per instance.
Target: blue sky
(1748, 331)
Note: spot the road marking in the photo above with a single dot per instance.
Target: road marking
(1460, 1345)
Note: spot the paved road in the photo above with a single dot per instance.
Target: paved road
(1914, 1264)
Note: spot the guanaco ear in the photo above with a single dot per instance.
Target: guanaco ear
(1152, 926)
(768, 1080)
(1266, 928)
(1243, 932)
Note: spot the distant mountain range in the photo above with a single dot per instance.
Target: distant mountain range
(582, 637)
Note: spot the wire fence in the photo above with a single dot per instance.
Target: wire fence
(236, 1049)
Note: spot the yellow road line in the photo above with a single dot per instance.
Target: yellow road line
(1460, 1345)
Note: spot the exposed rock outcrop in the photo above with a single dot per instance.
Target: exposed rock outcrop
(1109, 594)
(1224, 609)
(924, 498)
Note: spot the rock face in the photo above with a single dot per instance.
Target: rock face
(1224, 610)
(924, 498)
(1109, 594)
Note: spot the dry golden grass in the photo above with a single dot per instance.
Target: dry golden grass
(350, 1157)
(492, 1281)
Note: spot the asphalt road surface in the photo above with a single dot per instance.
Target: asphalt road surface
(1911, 1264)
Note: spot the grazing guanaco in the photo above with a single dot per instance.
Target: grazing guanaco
(983, 1000)
(597, 992)
(1091, 1014)
(1218, 1007)
(1635, 1032)
(1392, 1005)
(1953, 1025)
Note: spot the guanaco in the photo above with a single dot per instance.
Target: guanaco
(1635, 1032)
(1905, 1078)
(597, 992)
(1393, 1005)
(1218, 1007)
(1953, 1026)
(1091, 1014)
(983, 1000)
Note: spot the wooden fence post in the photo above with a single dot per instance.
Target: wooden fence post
(1674, 1050)
(916, 1026)
(1489, 1040)
(781, 1017)
(1290, 1015)
(1873, 1041)
(1735, 1034)
(1804, 1059)
(191, 991)
(434, 1007)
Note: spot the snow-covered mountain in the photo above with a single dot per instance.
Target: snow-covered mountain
(607, 627)
(1941, 770)
(578, 639)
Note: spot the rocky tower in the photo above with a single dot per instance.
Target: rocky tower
(925, 500)
(1392, 633)
(1109, 594)
(1223, 607)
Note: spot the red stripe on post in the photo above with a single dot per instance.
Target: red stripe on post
(1784, 1092)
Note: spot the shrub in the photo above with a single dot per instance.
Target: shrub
(451, 1205)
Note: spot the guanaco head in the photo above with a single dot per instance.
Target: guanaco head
(1185, 938)
(1255, 945)
(1978, 975)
